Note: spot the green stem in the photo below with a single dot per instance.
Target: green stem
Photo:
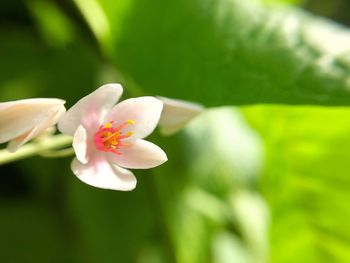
(35, 148)
(57, 153)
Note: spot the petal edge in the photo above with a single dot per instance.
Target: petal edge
(99, 173)
(144, 111)
(141, 154)
(90, 110)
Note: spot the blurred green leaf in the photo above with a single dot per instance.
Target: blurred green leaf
(233, 153)
(221, 52)
(215, 155)
(252, 215)
(227, 248)
(54, 26)
(306, 181)
(274, 2)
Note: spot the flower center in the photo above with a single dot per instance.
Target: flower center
(109, 138)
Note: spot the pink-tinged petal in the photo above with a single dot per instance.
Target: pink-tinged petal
(99, 173)
(90, 110)
(41, 127)
(14, 144)
(140, 154)
(176, 114)
(144, 111)
(22, 116)
(80, 144)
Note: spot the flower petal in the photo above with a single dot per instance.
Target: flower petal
(99, 173)
(176, 114)
(22, 116)
(80, 144)
(90, 110)
(144, 111)
(15, 143)
(140, 154)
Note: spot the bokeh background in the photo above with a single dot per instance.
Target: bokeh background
(264, 179)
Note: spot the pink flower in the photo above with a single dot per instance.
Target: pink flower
(23, 120)
(108, 137)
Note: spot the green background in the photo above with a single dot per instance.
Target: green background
(264, 179)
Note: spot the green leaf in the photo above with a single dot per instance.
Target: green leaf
(306, 181)
(227, 249)
(54, 26)
(274, 2)
(222, 52)
(197, 187)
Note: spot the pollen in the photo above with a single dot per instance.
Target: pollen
(108, 125)
(130, 121)
(109, 138)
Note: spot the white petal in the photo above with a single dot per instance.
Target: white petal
(21, 116)
(80, 144)
(140, 154)
(15, 143)
(176, 114)
(90, 110)
(144, 111)
(99, 173)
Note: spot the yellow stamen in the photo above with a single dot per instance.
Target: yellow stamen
(109, 138)
(108, 125)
